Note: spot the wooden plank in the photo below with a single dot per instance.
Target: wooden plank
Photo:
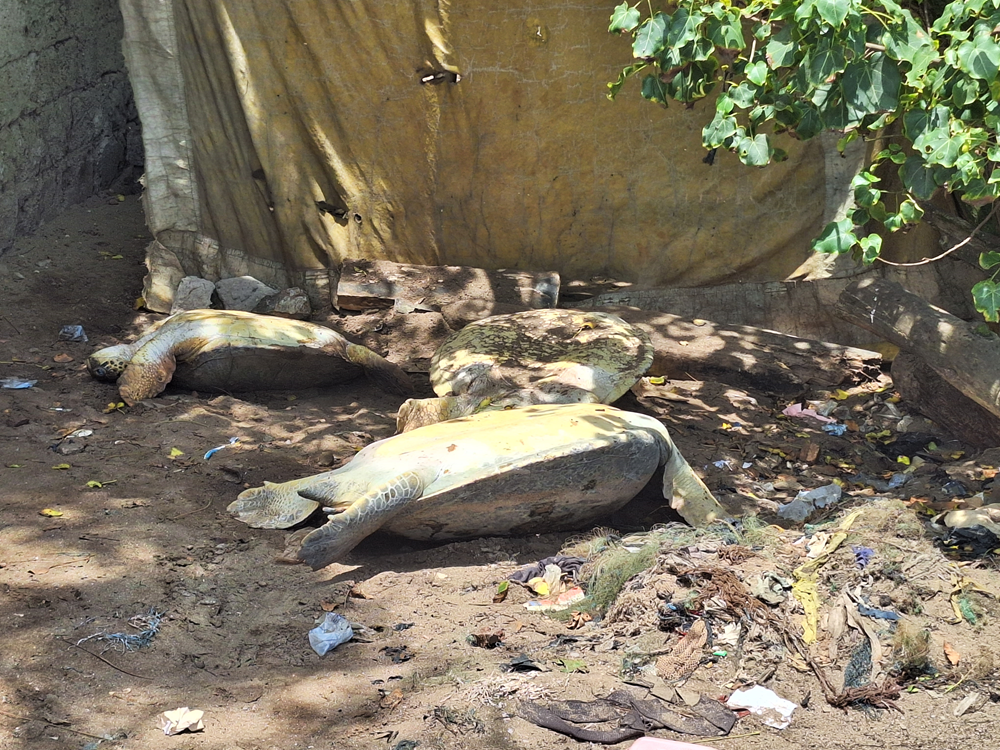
(374, 284)
(950, 345)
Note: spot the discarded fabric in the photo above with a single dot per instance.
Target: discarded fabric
(862, 556)
(330, 633)
(796, 410)
(570, 566)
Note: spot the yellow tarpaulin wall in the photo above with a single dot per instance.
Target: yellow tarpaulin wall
(256, 111)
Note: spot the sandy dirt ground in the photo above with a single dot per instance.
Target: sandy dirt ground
(109, 515)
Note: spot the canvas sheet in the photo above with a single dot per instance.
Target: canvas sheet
(285, 135)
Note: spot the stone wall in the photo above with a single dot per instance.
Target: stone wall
(68, 124)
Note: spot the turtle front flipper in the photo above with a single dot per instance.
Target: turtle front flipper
(386, 375)
(151, 368)
(688, 495)
(342, 533)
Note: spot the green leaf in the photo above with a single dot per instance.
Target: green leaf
(781, 49)
(754, 152)
(719, 130)
(756, 72)
(651, 37)
(838, 237)
(743, 96)
(824, 61)
(989, 259)
(683, 27)
(623, 18)
(916, 122)
(917, 178)
(871, 85)
(871, 248)
(615, 86)
(654, 89)
(810, 125)
(938, 146)
(910, 211)
(980, 58)
(725, 32)
(833, 11)
(986, 295)
(695, 81)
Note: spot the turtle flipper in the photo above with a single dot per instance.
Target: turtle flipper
(149, 371)
(332, 541)
(687, 494)
(386, 375)
(273, 506)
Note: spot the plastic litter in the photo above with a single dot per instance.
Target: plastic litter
(17, 383)
(835, 429)
(772, 709)
(330, 633)
(808, 501)
(73, 333)
(796, 410)
(216, 449)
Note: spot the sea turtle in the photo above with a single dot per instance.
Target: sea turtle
(229, 350)
(532, 469)
(533, 357)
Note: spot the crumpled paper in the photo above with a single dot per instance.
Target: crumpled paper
(181, 720)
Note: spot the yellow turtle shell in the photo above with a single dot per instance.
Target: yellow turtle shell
(539, 468)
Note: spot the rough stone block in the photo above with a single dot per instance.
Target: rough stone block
(193, 293)
(288, 303)
(242, 292)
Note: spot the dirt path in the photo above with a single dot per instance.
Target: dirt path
(142, 528)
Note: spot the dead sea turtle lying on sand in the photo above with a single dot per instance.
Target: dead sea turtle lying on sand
(538, 468)
(229, 350)
(534, 357)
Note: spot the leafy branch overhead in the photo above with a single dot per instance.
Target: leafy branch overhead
(852, 66)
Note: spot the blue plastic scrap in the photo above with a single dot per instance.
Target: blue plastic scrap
(878, 614)
(218, 448)
(835, 429)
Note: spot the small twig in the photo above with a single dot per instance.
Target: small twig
(52, 724)
(719, 739)
(68, 562)
(109, 663)
(951, 249)
(11, 325)
(192, 512)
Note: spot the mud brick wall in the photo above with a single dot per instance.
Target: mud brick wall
(68, 125)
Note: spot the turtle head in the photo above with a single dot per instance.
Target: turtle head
(109, 363)
(420, 412)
